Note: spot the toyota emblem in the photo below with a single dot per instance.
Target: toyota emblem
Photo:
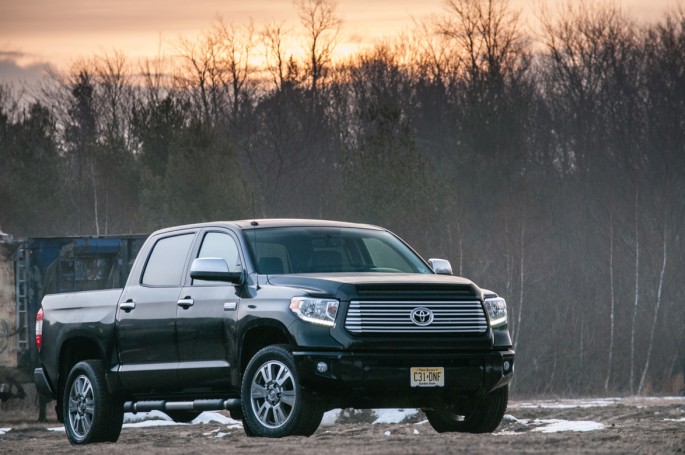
(421, 316)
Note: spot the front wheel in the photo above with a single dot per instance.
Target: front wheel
(91, 413)
(274, 404)
(481, 414)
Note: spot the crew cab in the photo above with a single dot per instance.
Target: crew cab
(276, 321)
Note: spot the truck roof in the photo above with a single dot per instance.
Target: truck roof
(274, 222)
(295, 222)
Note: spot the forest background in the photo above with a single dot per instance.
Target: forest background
(547, 162)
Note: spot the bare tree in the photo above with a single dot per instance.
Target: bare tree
(199, 76)
(322, 26)
(81, 137)
(591, 52)
(157, 77)
(432, 54)
(276, 60)
(235, 46)
(115, 85)
(592, 67)
(612, 311)
(657, 305)
(488, 33)
(637, 293)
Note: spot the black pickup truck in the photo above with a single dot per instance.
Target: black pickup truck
(276, 321)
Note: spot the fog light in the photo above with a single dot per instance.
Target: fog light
(506, 366)
(321, 367)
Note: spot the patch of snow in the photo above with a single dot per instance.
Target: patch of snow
(216, 433)
(4, 431)
(416, 431)
(567, 404)
(130, 417)
(158, 419)
(591, 402)
(393, 415)
(511, 418)
(57, 429)
(387, 433)
(557, 426)
(216, 417)
(551, 425)
(682, 419)
(153, 423)
(330, 418)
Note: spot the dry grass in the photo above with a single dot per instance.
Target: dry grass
(16, 412)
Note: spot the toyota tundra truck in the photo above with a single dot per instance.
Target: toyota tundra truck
(276, 321)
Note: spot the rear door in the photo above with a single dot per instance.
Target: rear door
(206, 320)
(146, 328)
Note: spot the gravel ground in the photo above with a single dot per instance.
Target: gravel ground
(628, 425)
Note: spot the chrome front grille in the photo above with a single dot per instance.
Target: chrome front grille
(410, 317)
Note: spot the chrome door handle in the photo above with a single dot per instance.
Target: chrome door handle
(186, 302)
(127, 306)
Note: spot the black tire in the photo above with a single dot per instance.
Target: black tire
(183, 416)
(482, 414)
(237, 414)
(91, 413)
(274, 404)
(247, 430)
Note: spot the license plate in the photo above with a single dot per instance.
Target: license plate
(427, 376)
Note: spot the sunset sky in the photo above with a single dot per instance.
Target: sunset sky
(38, 33)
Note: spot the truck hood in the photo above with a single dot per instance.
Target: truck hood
(355, 285)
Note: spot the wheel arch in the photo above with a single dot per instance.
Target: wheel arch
(260, 336)
(73, 351)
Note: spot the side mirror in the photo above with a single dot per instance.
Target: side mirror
(214, 269)
(441, 266)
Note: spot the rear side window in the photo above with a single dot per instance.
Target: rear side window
(167, 260)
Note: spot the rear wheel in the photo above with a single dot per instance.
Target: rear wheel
(274, 404)
(90, 412)
(481, 414)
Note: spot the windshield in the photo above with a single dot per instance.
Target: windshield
(330, 250)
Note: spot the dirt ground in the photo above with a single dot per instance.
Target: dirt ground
(629, 425)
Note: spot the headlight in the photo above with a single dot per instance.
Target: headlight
(497, 311)
(316, 311)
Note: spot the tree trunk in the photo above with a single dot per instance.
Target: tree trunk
(637, 294)
(656, 316)
(613, 302)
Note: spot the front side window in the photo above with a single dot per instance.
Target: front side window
(167, 260)
(220, 245)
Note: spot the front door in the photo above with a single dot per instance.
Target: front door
(206, 322)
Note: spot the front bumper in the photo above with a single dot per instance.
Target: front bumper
(382, 379)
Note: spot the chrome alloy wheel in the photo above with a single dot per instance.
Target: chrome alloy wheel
(81, 406)
(273, 394)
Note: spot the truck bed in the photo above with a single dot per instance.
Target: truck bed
(68, 314)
